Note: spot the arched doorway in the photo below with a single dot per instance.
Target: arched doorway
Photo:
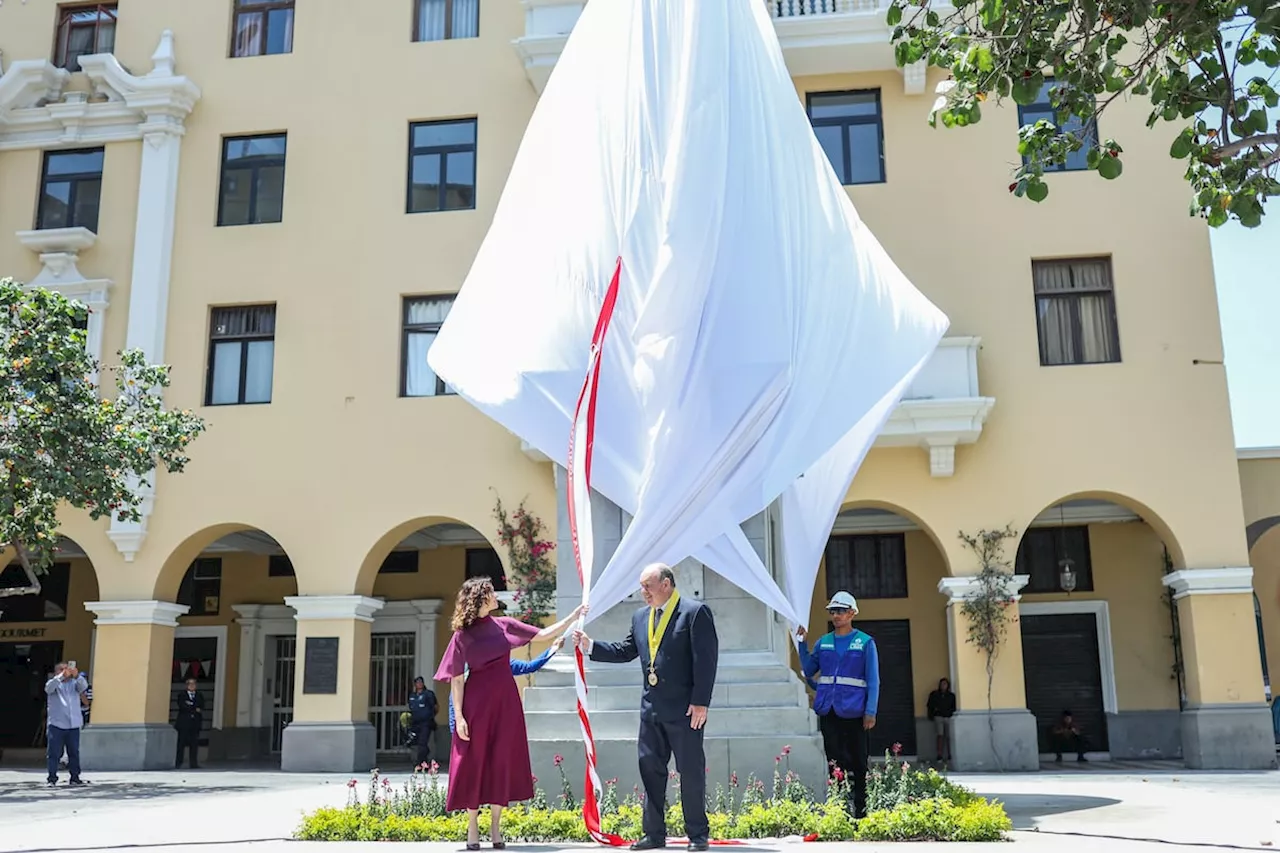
(891, 563)
(1099, 631)
(36, 632)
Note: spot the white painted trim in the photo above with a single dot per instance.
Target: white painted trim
(163, 613)
(1106, 651)
(1231, 581)
(219, 633)
(311, 607)
(1258, 453)
(59, 251)
(958, 588)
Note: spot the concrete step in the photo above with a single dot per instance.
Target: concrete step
(721, 722)
(619, 675)
(627, 698)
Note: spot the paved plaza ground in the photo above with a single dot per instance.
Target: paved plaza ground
(1102, 807)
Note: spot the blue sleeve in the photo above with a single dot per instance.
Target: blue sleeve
(873, 678)
(522, 667)
(808, 662)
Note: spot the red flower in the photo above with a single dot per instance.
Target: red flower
(897, 749)
(839, 774)
(559, 759)
(786, 750)
(733, 779)
(351, 784)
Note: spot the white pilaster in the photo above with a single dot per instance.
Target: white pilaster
(162, 613)
(1229, 581)
(957, 589)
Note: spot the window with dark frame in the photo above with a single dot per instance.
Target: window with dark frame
(442, 166)
(422, 319)
(49, 605)
(84, 30)
(1040, 556)
(850, 128)
(201, 587)
(485, 563)
(262, 28)
(438, 20)
(868, 565)
(280, 566)
(1043, 109)
(242, 347)
(251, 190)
(400, 563)
(1076, 312)
(70, 189)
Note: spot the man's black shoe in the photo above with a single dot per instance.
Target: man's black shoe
(51, 783)
(78, 782)
(698, 846)
(647, 843)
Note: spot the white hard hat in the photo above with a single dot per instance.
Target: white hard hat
(842, 600)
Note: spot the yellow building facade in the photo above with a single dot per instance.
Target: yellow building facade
(279, 201)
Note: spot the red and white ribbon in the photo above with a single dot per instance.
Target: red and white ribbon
(579, 499)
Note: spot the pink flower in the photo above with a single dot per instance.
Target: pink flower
(839, 774)
(786, 750)
(777, 759)
(386, 783)
(351, 784)
(559, 759)
(733, 779)
(435, 768)
(897, 749)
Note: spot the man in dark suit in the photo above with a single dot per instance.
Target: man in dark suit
(189, 722)
(675, 640)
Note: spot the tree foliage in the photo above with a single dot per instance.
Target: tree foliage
(63, 443)
(1206, 65)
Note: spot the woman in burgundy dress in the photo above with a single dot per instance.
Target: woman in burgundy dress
(489, 758)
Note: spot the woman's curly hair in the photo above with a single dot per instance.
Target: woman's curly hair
(471, 599)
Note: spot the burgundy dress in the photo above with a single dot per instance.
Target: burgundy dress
(493, 767)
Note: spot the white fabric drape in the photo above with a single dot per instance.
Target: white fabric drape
(761, 335)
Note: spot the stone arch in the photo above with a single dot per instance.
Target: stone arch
(1079, 504)
(896, 510)
(1257, 529)
(405, 532)
(222, 538)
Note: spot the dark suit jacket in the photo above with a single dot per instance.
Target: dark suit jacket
(686, 663)
(190, 712)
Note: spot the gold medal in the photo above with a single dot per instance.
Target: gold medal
(653, 678)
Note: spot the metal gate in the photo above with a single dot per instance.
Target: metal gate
(391, 674)
(281, 687)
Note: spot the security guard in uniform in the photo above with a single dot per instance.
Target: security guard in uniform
(848, 691)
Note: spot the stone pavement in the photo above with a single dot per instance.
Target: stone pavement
(1102, 808)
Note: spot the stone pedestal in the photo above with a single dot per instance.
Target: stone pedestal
(127, 746)
(338, 747)
(759, 705)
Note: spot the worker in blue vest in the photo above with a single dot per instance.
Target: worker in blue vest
(848, 675)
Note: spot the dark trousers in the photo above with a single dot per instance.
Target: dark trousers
(423, 730)
(189, 740)
(845, 743)
(658, 742)
(60, 739)
(1067, 742)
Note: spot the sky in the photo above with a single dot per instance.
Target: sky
(1246, 264)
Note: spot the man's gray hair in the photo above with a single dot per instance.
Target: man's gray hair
(664, 572)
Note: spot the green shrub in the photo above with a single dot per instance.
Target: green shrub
(936, 819)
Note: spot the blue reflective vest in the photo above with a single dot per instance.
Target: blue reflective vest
(849, 684)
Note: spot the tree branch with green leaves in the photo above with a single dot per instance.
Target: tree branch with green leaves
(1209, 66)
(64, 444)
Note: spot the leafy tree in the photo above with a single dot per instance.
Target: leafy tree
(60, 442)
(1207, 65)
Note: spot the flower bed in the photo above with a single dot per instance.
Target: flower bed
(904, 804)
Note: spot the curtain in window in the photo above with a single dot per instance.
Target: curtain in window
(258, 371)
(431, 20)
(1080, 293)
(419, 378)
(466, 19)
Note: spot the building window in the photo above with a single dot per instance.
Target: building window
(850, 129)
(1042, 552)
(252, 190)
(437, 20)
(50, 605)
(84, 31)
(1076, 311)
(485, 563)
(280, 566)
(262, 27)
(70, 189)
(442, 166)
(423, 316)
(242, 350)
(400, 563)
(201, 587)
(1043, 109)
(872, 565)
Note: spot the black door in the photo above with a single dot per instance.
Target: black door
(24, 669)
(896, 715)
(1062, 671)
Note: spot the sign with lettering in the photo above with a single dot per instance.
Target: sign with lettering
(320, 665)
(21, 633)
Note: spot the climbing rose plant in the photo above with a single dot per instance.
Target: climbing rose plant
(62, 441)
(1208, 68)
(533, 573)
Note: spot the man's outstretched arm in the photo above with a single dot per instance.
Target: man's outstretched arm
(603, 652)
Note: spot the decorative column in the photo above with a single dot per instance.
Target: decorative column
(133, 660)
(1227, 723)
(331, 732)
(1002, 735)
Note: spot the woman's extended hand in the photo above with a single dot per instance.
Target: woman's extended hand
(464, 731)
(559, 643)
